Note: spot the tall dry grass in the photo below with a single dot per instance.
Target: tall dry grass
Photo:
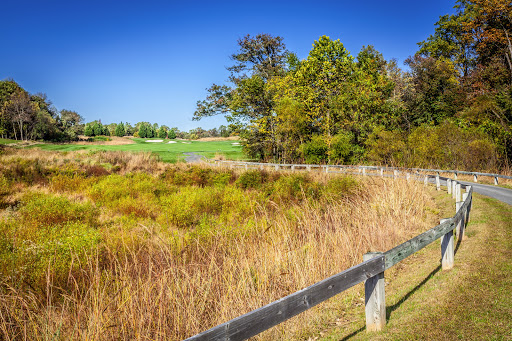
(149, 288)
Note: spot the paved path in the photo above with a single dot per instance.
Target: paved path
(500, 193)
(193, 157)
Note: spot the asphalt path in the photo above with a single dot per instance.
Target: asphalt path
(193, 157)
(500, 193)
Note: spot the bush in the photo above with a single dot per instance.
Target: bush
(48, 210)
(342, 148)
(386, 147)
(315, 151)
(294, 188)
(45, 233)
(251, 179)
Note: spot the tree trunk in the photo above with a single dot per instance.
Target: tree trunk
(509, 57)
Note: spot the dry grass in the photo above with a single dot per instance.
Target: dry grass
(158, 282)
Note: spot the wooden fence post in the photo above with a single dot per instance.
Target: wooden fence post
(374, 298)
(327, 169)
(447, 249)
(458, 193)
(461, 224)
(425, 181)
(364, 171)
(395, 174)
(449, 185)
(407, 176)
(276, 167)
(438, 182)
(496, 181)
(382, 172)
(454, 189)
(475, 178)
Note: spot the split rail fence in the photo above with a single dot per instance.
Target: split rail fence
(370, 271)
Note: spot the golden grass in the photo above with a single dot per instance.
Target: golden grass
(156, 289)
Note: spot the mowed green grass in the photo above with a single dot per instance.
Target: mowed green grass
(168, 152)
(7, 141)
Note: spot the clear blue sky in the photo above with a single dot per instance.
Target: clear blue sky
(151, 61)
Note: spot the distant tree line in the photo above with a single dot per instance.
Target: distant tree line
(452, 108)
(153, 130)
(25, 116)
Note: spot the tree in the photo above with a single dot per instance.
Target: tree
(245, 102)
(72, 123)
(172, 134)
(88, 130)
(120, 130)
(450, 42)
(436, 90)
(21, 111)
(162, 133)
(97, 128)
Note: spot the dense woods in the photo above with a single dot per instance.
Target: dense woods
(450, 107)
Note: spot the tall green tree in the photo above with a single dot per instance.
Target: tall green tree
(120, 130)
(245, 101)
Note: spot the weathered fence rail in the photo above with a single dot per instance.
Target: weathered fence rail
(362, 169)
(371, 271)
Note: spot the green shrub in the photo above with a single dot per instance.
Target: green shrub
(43, 236)
(189, 205)
(315, 151)
(342, 148)
(251, 179)
(39, 209)
(386, 147)
(294, 187)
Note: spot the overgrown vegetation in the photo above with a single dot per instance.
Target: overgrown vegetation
(110, 245)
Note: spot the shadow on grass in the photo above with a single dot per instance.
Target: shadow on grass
(392, 308)
(354, 333)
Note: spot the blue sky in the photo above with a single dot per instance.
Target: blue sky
(151, 61)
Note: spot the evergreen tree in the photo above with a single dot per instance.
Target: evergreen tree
(162, 133)
(120, 130)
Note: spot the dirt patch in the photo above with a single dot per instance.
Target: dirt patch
(208, 139)
(114, 141)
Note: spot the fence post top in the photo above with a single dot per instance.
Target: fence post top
(370, 255)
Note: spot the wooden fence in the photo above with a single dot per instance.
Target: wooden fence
(371, 271)
(361, 169)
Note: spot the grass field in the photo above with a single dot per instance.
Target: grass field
(110, 245)
(7, 141)
(168, 152)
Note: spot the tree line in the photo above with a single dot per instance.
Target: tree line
(25, 116)
(451, 108)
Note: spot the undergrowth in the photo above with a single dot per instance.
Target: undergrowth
(110, 246)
